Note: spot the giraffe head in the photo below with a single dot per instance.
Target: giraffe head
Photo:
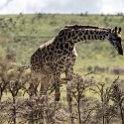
(115, 39)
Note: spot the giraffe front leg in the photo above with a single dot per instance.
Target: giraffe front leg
(57, 86)
(44, 84)
(69, 76)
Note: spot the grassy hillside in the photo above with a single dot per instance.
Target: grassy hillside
(21, 35)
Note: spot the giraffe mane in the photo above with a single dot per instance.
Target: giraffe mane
(81, 26)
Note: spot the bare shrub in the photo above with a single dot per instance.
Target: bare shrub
(117, 97)
(79, 87)
(28, 105)
(110, 106)
(105, 111)
(118, 70)
(98, 69)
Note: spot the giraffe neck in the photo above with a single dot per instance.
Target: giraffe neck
(82, 34)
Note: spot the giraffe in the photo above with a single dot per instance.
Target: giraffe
(58, 55)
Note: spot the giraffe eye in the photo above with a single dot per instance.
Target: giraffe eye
(113, 38)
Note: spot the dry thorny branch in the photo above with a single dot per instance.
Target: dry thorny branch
(111, 101)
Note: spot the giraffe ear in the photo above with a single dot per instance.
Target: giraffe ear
(115, 29)
(119, 31)
(109, 30)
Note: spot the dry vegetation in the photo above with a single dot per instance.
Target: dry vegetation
(22, 102)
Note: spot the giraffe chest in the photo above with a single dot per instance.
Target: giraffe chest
(61, 62)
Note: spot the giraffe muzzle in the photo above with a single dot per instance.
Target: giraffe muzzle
(120, 51)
